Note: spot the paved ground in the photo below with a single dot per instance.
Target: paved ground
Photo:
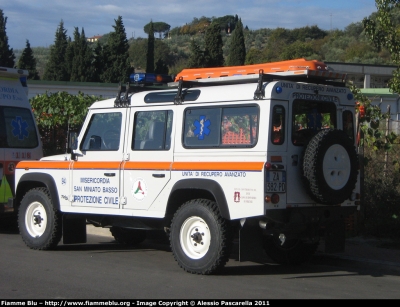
(374, 250)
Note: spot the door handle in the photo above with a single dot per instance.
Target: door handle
(109, 174)
(158, 175)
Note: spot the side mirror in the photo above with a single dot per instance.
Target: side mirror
(72, 141)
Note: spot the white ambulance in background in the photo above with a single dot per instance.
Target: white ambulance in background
(19, 135)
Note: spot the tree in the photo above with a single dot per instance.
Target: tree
(99, 62)
(297, 50)
(138, 52)
(28, 61)
(196, 59)
(81, 68)
(383, 30)
(7, 56)
(118, 67)
(161, 67)
(57, 67)
(254, 56)
(158, 27)
(228, 23)
(213, 52)
(237, 51)
(150, 50)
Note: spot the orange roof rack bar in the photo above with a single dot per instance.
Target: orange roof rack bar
(273, 67)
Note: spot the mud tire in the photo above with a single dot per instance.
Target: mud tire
(330, 167)
(40, 224)
(200, 239)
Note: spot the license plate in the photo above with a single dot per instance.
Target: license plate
(276, 182)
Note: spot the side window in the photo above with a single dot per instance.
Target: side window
(309, 117)
(348, 124)
(152, 130)
(278, 125)
(202, 127)
(239, 126)
(220, 127)
(103, 132)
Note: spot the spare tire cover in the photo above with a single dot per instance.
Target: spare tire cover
(330, 167)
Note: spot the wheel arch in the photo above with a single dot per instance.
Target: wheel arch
(187, 189)
(34, 180)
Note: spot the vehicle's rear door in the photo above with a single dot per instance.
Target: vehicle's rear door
(149, 148)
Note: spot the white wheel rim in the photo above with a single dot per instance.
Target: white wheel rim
(336, 167)
(36, 219)
(195, 237)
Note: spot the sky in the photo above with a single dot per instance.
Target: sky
(37, 20)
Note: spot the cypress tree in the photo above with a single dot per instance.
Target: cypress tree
(56, 68)
(99, 62)
(28, 61)
(196, 59)
(150, 50)
(118, 67)
(214, 56)
(161, 67)
(81, 68)
(237, 51)
(7, 56)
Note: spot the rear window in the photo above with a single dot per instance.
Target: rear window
(17, 128)
(310, 117)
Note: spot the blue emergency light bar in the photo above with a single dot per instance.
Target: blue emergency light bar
(149, 78)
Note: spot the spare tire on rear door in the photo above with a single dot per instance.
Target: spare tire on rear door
(330, 167)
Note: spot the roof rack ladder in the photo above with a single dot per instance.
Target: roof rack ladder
(259, 93)
(179, 98)
(124, 101)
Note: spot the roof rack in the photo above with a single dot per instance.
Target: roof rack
(305, 75)
(243, 70)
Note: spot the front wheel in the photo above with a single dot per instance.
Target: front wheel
(200, 238)
(38, 221)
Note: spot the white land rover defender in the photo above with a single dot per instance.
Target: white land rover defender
(266, 159)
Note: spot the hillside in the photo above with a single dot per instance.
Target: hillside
(263, 45)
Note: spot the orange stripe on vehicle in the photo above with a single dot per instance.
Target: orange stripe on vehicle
(239, 166)
(44, 164)
(97, 165)
(148, 165)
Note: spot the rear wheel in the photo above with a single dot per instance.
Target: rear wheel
(200, 238)
(128, 236)
(292, 251)
(38, 221)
